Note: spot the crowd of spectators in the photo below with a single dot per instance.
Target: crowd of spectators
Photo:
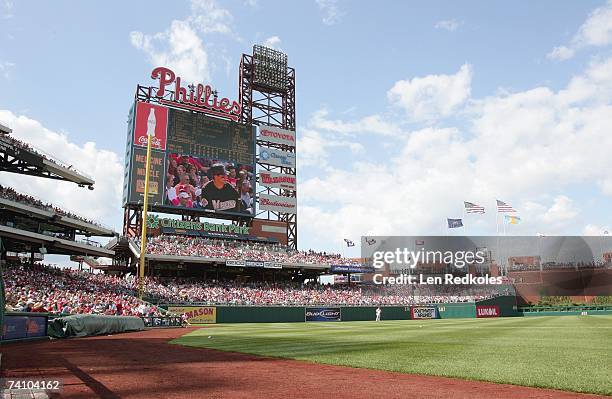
(41, 288)
(54, 290)
(559, 266)
(12, 195)
(25, 146)
(239, 250)
(191, 182)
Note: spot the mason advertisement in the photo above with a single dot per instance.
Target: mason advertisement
(275, 157)
(277, 180)
(276, 203)
(277, 135)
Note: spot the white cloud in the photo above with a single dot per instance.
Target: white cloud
(374, 124)
(208, 17)
(595, 31)
(7, 9)
(106, 167)
(562, 210)
(528, 148)
(178, 48)
(331, 12)
(596, 230)
(450, 25)
(314, 147)
(432, 96)
(272, 42)
(6, 68)
(561, 53)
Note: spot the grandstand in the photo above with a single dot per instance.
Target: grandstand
(34, 227)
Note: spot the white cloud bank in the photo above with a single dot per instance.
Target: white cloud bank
(528, 148)
(596, 31)
(103, 204)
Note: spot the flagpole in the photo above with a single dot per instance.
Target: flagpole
(464, 221)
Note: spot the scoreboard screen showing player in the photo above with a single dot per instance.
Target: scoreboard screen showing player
(198, 163)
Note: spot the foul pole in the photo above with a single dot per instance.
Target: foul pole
(143, 237)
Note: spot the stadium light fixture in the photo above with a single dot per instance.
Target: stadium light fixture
(270, 68)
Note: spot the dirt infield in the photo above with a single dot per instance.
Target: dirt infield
(144, 365)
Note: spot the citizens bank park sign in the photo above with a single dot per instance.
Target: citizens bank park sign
(277, 180)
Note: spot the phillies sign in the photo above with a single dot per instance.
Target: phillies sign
(277, 180)
(199, 98)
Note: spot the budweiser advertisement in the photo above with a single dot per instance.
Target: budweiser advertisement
(151, 120)
(277, 180)
(277, 135)
(276, 203)
(274, 157)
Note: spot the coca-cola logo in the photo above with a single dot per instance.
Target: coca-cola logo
(143, 140)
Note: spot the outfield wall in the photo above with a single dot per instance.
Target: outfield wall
(203, 314)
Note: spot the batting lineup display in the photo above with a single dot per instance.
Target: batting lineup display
(198, 162)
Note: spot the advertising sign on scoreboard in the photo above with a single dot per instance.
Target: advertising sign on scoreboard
(277, 203)
(277, 180)
(275, 157)
(151, 119)
(277, 135)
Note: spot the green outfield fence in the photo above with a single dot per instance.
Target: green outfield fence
(501, 307)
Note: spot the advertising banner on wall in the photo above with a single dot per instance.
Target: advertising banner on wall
(276, 203)
(277, 180)
(487, 311)
(277, 135)
(196, 314)
(275, 157)
(322, 314)
(423, 312)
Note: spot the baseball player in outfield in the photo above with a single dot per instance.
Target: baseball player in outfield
(378, 312)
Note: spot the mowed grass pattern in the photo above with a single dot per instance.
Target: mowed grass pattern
(572, 353)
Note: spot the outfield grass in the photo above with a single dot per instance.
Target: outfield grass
(572, 353)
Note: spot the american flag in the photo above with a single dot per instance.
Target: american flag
(503, 207)
(473, 208)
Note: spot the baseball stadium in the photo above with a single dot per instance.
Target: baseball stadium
(205, 292)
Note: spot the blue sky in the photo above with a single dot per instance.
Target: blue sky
(404, 109)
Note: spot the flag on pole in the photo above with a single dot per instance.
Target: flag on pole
(349, 243)
(454, 223)
(473, 208)
(509, 219)
(504, 207)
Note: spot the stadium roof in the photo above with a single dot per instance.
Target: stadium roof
(52, 217)
(17, 240)
(24, 159)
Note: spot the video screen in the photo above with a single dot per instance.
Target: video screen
(209, 184)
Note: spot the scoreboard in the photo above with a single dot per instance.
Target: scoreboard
(201, 135)
(185, 150)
